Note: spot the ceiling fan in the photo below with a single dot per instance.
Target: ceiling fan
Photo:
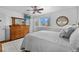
(35, 9)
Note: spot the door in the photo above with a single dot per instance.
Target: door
(2, 34)
(2, 27)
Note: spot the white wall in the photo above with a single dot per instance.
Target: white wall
(7, 14)
(71, 13)
(2, 27)
(77, 14)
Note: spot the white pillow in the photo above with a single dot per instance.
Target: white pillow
(67, 26)
(74, 39)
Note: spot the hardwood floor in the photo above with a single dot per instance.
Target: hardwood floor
(0, 47)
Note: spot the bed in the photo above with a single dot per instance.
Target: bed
(46, 41)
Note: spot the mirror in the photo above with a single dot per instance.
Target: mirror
(62, 21)
(17, 21)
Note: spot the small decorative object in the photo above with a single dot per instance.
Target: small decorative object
(62, 21)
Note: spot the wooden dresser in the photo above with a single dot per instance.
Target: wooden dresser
(18, 31)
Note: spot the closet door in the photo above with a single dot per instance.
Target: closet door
(2, 27)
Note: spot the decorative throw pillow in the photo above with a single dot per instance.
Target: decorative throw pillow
(62, 33)
(67, 32)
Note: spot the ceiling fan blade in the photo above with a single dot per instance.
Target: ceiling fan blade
(29, 10)
(38, 11)
(34, 12)
(41, 9)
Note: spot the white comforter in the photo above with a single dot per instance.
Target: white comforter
(45, 41)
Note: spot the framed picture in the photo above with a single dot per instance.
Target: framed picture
(44, 21)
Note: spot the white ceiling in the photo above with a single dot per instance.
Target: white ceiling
(47, 9)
